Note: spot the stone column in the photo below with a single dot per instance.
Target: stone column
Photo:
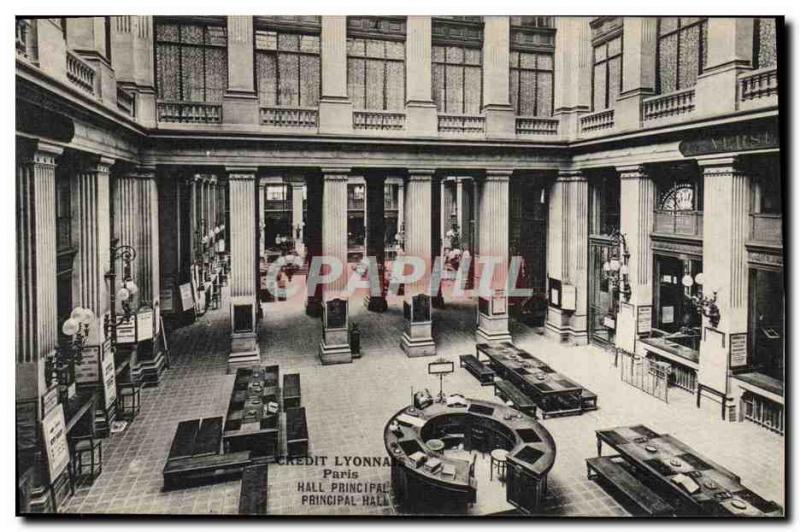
(240, 103)
(335, 108)
(493, 236)
(421, 116)
(639, 65)
(567, 256)
(573, 73)
(37, 321)
(244, 266)
(334, 348)
(376, 229)
(297, 212)
(262, 233)
(730, 52)
(418, 336)
(500, 116)
(726, 210)
(637, 195)
(132, 59)
(314, 238)
(401, 205)
(92, 233)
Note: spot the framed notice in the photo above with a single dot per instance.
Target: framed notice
(499, 302)
(88, 371)
(144, 325)
(440, 367)
(109, 378)
(165, 296)
(569, 297)
(126, 331)
(55, 441)
(555, 292)
(187, 297)
(644, 319)
(737, 344)
(49, 400)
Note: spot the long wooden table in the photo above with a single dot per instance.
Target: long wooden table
(554, 393)
(664, 458)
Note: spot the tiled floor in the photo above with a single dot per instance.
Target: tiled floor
(348, 405)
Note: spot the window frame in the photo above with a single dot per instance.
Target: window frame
(605, 62)
(277, 52)
(384, 60)
(464, 47)
(537, 71)
(679, 31)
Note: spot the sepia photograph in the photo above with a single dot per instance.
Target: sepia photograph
(391, 266)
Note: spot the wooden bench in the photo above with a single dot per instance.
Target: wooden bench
(183, 441)
(253, 494)
(588, 400)
(508, 392)
(479, 370)
(296, 432)
(611, 469)
(291, 391)
(200, 470)
(194, 443)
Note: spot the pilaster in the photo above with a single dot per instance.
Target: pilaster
(335, 108)
(639, 66)
(573, 73)
(376, 229)
(421, 119)
(240, 103)
(500, 118)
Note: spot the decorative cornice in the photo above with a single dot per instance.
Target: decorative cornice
(633, 171)
(720, 166)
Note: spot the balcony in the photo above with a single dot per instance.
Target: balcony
(290, 117)
(80, 73)
(379, 120)
(668, 105)
(679, 223)
(465, 124)
(766, 228)
(597, 121)
(531, 125)
(759, 85)
(189, 112)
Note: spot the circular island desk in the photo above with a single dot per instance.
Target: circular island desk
(424, 479)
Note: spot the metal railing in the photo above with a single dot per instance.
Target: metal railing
(280, 116)
(189, 112)
(687, 223)
(80, 73)
(647, 374)
(379, 120)
(765, 227)
(474, 124)
(531, 125)
(758, 84)
(666, 105)
(597, 121)
(762, 411)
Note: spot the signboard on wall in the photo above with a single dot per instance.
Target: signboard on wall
(144, 324)
(55, 441)
(109, 378)
(88, 371)
(126, 331)
(752, 139)
(644, 319)
(737, 346)
(187, 297)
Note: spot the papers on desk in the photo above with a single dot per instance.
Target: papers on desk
(418, 458)
(410, 421)
(448, 470)
(687, 483)
(433, 465)
(456, 400)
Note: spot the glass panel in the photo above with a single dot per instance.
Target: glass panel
(395, 86)
(667, 63)
(191, 34)
(689, 57)
(375, 49)
(513, 89)
(615, 46)
(455, 55)
(288, 41)
(545, 62)
(288, 81)
(356, 47)
(216, 74)
(599, 96)
(455, 89)
(375, 82)
(216, 36)
(167, 32)
(192, 74)
(438, 54)
(544, 98)
(309, 44)
(472, 56)
(266, 79)
(767, 322)
(168, 75)
(438, 87)
(600, 53)
(767, 44)
(310, 81)
(266, 40)
(614, 79)
(472, 90)
(355, 82)
(513, 59)
(667, 24)
(395, 50)
(527, 60)
(527, 89)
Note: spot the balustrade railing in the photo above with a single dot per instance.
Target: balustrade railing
(189, 112)
(766, 227)
(302, 117)
(597, 121)
(379, 120)
(666, 105)
(532, 125)
(126, 102)
(80, 73)
(474, 124)
(758, 84)
(686, 223)
(764, 412)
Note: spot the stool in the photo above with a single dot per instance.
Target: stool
(498, 459)
(129, 400)
(87, 458)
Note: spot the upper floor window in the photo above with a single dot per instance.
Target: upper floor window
(531, 83)
(607, 73)
(765, 53)
(457, 64)
(287, 69)
(605, 204)
(682, 52)
(376, 70)
(191, 60)
(767, 193)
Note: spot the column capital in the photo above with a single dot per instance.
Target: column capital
(334, 173)
(497, 174)
(38, 151)
(96, 163)
(632, 171)
(421, 174)
(720, 166)
(571, 175)
(242, 173)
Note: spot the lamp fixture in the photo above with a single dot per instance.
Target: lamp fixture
(706, 306)
(127, 290)
(615, 268)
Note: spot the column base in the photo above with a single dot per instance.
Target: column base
(244, 352)
(334, 347)
(500, 121)
(375, 303)
(566, 327)
(492, 329)
(335, 115)
(417, 340)
(422, 118)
